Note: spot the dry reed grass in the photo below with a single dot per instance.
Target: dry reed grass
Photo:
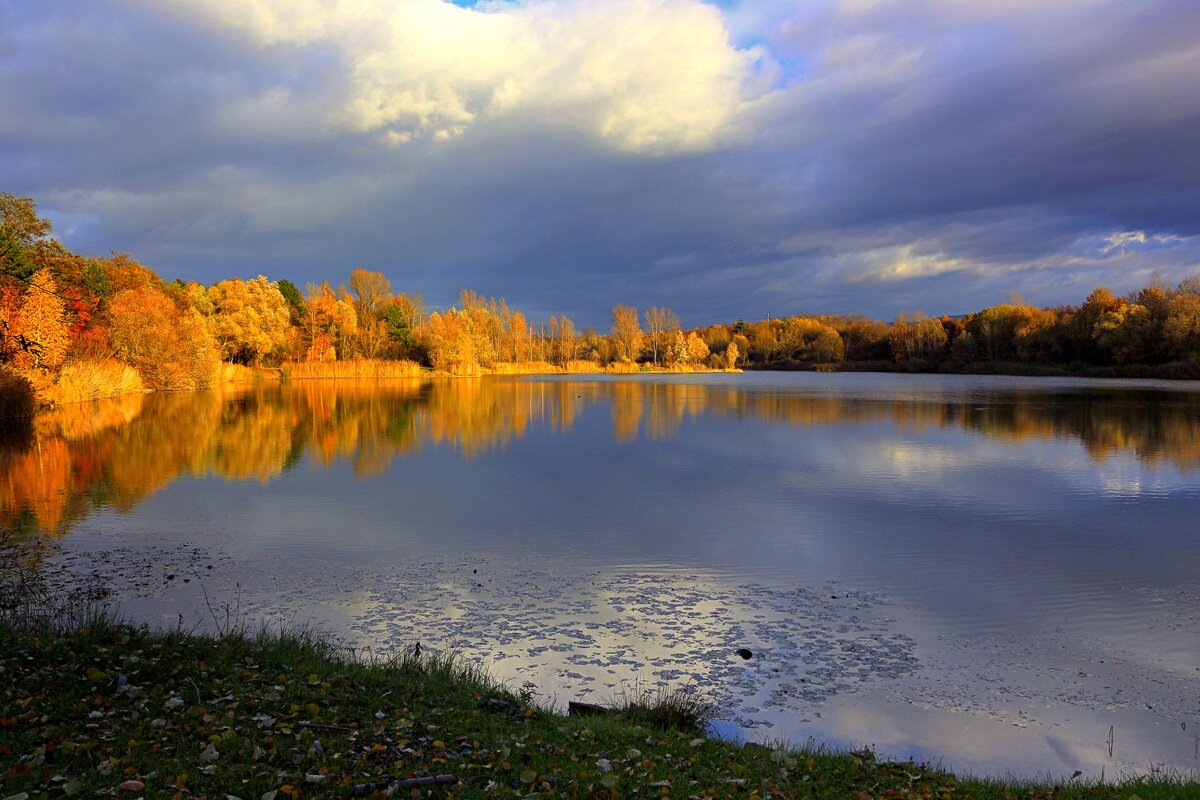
(522, 368)
(622, 368)
(240, 373)
(93, 379)
(351, 369)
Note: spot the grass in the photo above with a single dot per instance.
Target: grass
(287, 714)
(663, 708)
(90, 706)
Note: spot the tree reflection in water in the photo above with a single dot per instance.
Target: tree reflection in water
(114, 453)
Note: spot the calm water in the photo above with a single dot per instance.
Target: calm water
(1002, 574)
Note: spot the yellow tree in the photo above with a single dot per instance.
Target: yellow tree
(518, 336)
(39, 326)
(250, 319)
(659, 322)
(1181, 330)
(562, 330)
(373, 294)
(697, 349)
(731, 355)
(626, 333)
(449, 342)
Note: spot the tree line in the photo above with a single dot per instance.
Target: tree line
(63, 314)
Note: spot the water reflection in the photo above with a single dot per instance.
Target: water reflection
(115, 453)
(934, 563)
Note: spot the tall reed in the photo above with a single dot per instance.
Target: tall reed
(354, 368)
(93, 379)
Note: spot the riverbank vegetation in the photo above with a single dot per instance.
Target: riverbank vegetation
(106, 708)
(93, 706)
(74, 328)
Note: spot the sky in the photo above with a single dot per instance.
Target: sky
(737, 159)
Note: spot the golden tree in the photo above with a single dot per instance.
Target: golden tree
(626, 333)
(39, 326)
(250, 319)
(659, 322)
(697, 349)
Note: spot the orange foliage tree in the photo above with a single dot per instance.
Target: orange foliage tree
(171, 347)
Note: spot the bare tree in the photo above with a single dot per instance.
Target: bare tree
(659, 321)
(626, 332)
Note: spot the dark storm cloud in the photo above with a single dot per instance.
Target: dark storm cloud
(917, 155)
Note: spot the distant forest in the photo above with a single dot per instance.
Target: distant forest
(74, 327)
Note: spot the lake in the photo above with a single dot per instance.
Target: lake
(1000, 574)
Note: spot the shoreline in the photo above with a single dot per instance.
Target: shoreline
(108, 707)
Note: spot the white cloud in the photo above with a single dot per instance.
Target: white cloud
(642, 75)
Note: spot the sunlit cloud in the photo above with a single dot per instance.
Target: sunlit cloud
(641, 75)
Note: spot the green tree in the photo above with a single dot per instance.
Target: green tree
(293, 297)
(399, 328)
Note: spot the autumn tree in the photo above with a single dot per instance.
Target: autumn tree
(520, 338)
(918, 339)
(676, 352)
(1125, 333)
(330, 323)
(763, 337)
(372, 294)
(627, 333)
(250, 319)
(38, 329)
(172, 348)
(454, 341)
(1181, 329)
(562, 332)
(805, 339)
(1081, 334)
(697, 348)
(659, 323)
(731, 355)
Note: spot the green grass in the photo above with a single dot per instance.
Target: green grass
(284, 715)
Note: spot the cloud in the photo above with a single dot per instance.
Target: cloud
(832, 156)
(641, 75)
